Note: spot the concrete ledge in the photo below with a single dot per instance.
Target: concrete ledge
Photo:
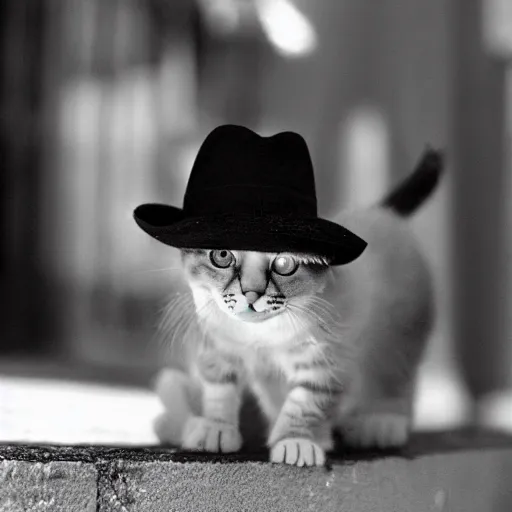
(457, 471)
(56, 486)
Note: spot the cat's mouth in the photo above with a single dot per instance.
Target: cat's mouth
(251, 315)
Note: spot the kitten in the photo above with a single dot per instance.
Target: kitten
(321, 347)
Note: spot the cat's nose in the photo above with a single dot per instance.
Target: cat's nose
(252, 297)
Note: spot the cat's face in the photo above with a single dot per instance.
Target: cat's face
(254, 286)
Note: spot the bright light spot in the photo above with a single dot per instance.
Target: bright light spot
(364, 147)
(291, 33)
(61, 412)
(495, 411)
(441, 402)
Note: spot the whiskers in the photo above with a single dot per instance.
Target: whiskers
(317, 313)
(336, 336)
(179, 329)
(165, 269)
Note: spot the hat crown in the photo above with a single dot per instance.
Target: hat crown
(252, 193)
(238, 171)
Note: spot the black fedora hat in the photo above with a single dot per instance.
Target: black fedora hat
(248, 192)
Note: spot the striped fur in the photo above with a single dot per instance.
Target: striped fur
(323, 348)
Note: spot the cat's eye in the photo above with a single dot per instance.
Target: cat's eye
(222, 258)
(284, 265)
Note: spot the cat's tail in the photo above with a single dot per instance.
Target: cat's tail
(180, 399)
(417, 187)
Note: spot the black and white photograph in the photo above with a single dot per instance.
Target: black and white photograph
(255, 255)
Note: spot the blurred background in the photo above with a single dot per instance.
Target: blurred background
(103, 106)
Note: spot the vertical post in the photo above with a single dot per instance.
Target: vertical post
(23, 319)
(479, 207)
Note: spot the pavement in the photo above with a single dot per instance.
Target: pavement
(456, 470)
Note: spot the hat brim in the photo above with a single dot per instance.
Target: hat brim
(268, 233)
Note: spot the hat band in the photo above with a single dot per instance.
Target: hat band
(249, 199)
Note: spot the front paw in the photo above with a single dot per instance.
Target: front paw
(377, 430)
(203, 434)
(297, 452)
